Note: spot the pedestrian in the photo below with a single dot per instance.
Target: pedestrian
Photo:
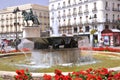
(101, 42)
(2, 46)
(95, 42)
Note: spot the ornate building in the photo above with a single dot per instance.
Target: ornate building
(8, 20)
(83, 17)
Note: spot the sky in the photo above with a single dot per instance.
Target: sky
(9, 3)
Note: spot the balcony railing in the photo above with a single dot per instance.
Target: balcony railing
(74, 13)
(115, 9)
(69, 15)
(58, 7)
(52, 9)
(63, 15)
(86, 11)
(94, 9)
(52, 17)
(74, 25)
(80, 13)
(63, 6)
(80, 2)
(69, 5)
(74, 3)
(107, 8)
(86, 1)
(59, 17)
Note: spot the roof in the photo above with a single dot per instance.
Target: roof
(110, 30)
(115, 30)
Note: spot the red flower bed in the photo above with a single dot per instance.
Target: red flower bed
(25, 49)
(23, 75)
(90, 74)
(102, 49)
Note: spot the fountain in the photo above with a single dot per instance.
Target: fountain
(46, 58)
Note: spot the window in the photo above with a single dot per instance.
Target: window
(86, 6)
(87, 28)
(64, 4)
(106, 17)
(58, 5)
(59, 13)
(118, 17)
(63, 11)
(80, 19)
(113, 6)
(68, 21)
(95, 6)
(69, 2)
(75, 29)
(52, 6)
(113, 17)
(106, 5)
(74, 10)
(74, 1)
(69, 10)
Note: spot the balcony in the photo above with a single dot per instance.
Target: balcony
(80, 13)
(80, 24)
(85, 1)
(116, 9)
(52, 9)
(74, 25)
(69, 5)
(74, 13)
(94, 9)
(59, 17)
(80, 2)
(58, 7)
(2, 19)
(107, 21)
(63, 16)
(52, 17)
(86, 11)
(63, 6)
(107, 8)
(69, 15)
(86, 23)
(74, 3)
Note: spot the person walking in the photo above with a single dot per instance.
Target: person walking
(101, 42)
(95, 42)
(2, 46)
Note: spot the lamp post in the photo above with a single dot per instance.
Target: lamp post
(15, 24)
(93, 31)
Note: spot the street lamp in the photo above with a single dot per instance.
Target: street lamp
(15, 24)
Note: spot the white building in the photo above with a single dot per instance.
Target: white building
(8, 18)
(81, 17)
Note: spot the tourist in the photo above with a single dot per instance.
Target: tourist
(95, 43)
(101, 42)
(2, 46)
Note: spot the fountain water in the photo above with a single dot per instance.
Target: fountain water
(55, 26)
(51, 57)
(26, 44)
(84, 43)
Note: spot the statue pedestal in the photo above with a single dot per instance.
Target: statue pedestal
(31, 32)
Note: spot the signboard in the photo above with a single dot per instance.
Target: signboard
(106, 40)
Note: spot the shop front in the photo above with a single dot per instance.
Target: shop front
(111, 37)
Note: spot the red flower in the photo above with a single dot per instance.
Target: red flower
(47, 77)
(57, 72)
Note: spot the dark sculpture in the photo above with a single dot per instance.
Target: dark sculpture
(30, 16)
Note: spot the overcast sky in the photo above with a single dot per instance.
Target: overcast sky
(9, 3)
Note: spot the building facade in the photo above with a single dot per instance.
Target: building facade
(84, 17)
(8, 19)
